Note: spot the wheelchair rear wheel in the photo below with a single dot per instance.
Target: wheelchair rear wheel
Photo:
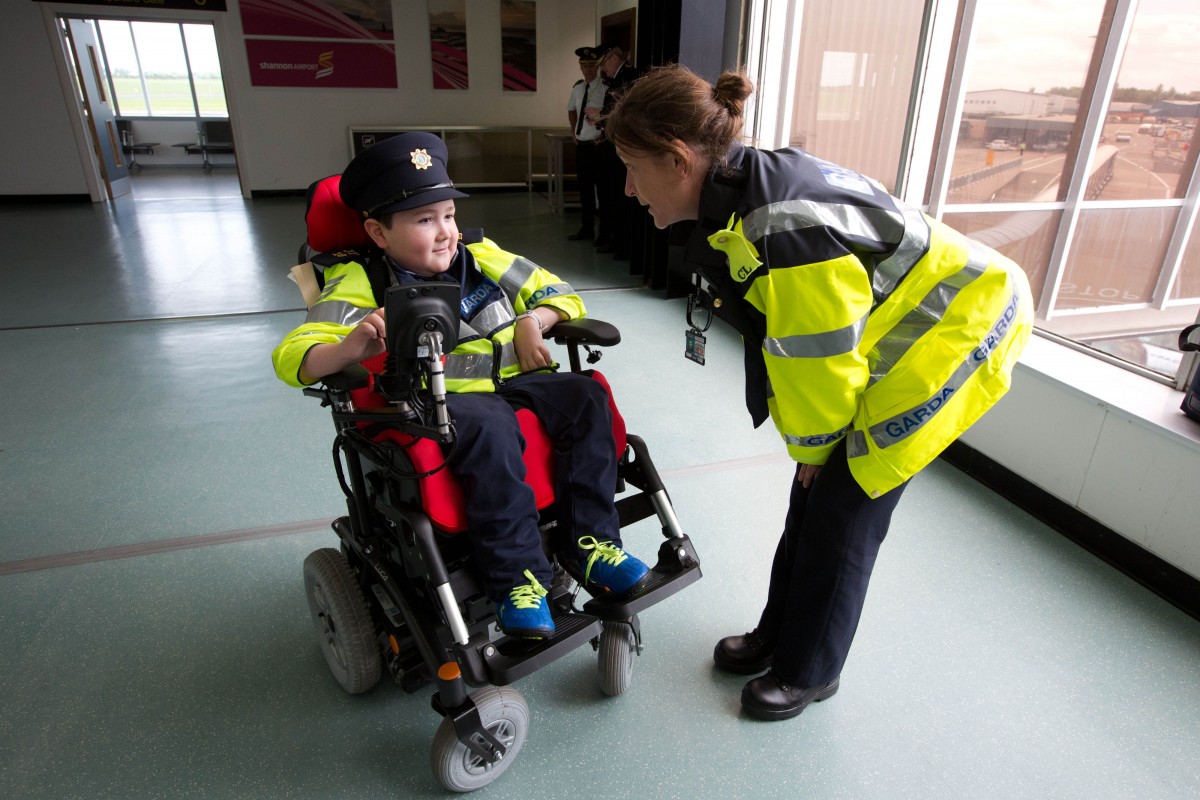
(504, 714)
(617, 648)
(342, 620)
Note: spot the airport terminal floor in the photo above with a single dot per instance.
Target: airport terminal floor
(160, 490)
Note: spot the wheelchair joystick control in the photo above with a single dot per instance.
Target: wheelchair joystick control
(432, 339)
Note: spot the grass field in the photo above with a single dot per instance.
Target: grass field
(170, 97)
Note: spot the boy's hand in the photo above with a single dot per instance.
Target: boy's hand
(367, 339)
(530, 346)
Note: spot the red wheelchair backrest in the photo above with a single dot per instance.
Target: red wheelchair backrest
(332, 225)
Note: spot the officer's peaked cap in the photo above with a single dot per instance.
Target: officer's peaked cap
(401, 172)
(589, 55)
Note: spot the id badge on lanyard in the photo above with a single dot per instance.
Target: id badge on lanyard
(694, 339)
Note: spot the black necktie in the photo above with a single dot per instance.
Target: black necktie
(582, 106)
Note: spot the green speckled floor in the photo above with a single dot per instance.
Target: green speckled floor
(159, 490)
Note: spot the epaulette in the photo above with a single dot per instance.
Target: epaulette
(340, 256)
(576, 83)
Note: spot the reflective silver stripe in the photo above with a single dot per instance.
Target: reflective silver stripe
(817, 345)
(493, 316)
(816, 440)
(337, 312)
(913, 245)
(477, 366)
(329, 287)
(517, 274)
(930, 311)
(856, 445)
(869, 223)
(901, 426)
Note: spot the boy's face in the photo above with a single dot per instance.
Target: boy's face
(423, 240)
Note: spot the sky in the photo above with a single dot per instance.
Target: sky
(1024, 44)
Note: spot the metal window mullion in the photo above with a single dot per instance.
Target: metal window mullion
(1185, 224)
(1106, 79)
(187, 62)
(137, 59)
(957, 96)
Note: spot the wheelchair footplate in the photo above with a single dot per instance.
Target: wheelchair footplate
(677, 567)
(509, 658)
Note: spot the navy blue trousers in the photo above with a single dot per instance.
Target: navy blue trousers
(820, 573)
(501, 509)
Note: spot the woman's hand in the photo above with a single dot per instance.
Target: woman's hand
(807, 474)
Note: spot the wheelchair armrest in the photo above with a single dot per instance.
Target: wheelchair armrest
(586, 331)
(352, 377)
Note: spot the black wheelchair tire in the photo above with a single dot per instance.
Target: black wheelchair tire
(617, 649)
(345, 630)
(505, 714)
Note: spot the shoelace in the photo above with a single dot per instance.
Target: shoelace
(601, 551)
(528, 596)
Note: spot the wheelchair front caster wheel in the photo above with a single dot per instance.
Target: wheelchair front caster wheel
(618, 645)
(343, 623)
(505, 715)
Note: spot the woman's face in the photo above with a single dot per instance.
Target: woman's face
(665, 184)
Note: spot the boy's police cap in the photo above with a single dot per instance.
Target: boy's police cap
(401, 172)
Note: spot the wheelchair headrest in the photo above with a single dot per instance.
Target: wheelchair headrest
(332, 225)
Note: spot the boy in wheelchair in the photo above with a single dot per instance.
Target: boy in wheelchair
(405, 198)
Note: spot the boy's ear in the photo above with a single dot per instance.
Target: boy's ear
(374, 229)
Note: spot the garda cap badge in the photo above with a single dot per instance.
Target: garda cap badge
(421, 159)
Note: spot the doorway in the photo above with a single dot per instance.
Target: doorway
(151, 93)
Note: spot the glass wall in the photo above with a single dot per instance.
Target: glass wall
(163, 69)
(1066, 139)
(857, 60)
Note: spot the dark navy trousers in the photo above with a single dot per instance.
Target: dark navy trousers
(820, 573)
(501, 509)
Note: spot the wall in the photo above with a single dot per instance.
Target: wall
(1105, 441)
(286, 136)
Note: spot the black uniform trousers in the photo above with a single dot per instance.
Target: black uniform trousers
(820, 573)
(585, 173)
(501, 509)
(616, 208)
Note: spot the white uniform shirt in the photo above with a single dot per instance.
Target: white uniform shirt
(595, 99)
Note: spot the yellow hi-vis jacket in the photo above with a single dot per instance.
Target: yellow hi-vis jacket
(863, 319)
(496, 287)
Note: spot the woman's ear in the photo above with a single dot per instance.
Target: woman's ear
(684, 158)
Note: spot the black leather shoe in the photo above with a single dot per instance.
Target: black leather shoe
(581, 235)
(769, 698)
(747, 654)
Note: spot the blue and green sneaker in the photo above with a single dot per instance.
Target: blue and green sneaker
(525, 613)
(610, 571)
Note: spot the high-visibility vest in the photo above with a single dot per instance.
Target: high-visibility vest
(864, 319)
(496, 287)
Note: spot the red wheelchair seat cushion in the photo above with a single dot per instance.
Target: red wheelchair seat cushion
(331, 224)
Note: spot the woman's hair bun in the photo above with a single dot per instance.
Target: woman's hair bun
(731, 91)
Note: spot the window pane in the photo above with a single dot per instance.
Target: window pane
(1151, 118)
(1115, 258)
(1027, 237)
(160, 48)
(1187, 286)
(206, 70)
(854, 81)
(123, 66)
(1025, 71)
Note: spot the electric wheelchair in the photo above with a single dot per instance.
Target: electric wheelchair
(400, 593)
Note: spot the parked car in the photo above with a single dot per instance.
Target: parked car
(999, 144)
(1124, 136)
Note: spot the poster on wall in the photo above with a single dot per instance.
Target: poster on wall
(342, 44)
(518, 44)
(448, 43)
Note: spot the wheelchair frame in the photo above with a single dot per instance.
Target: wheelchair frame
(431, 619)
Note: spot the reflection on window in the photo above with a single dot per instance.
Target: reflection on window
(163, 69)
(1187, 287)
(1027, 237)
(1024, 71)
(854, 80)
(1115, 257)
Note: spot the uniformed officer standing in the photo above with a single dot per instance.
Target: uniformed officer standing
(586, 93)
(874, 336)
(616, 220)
